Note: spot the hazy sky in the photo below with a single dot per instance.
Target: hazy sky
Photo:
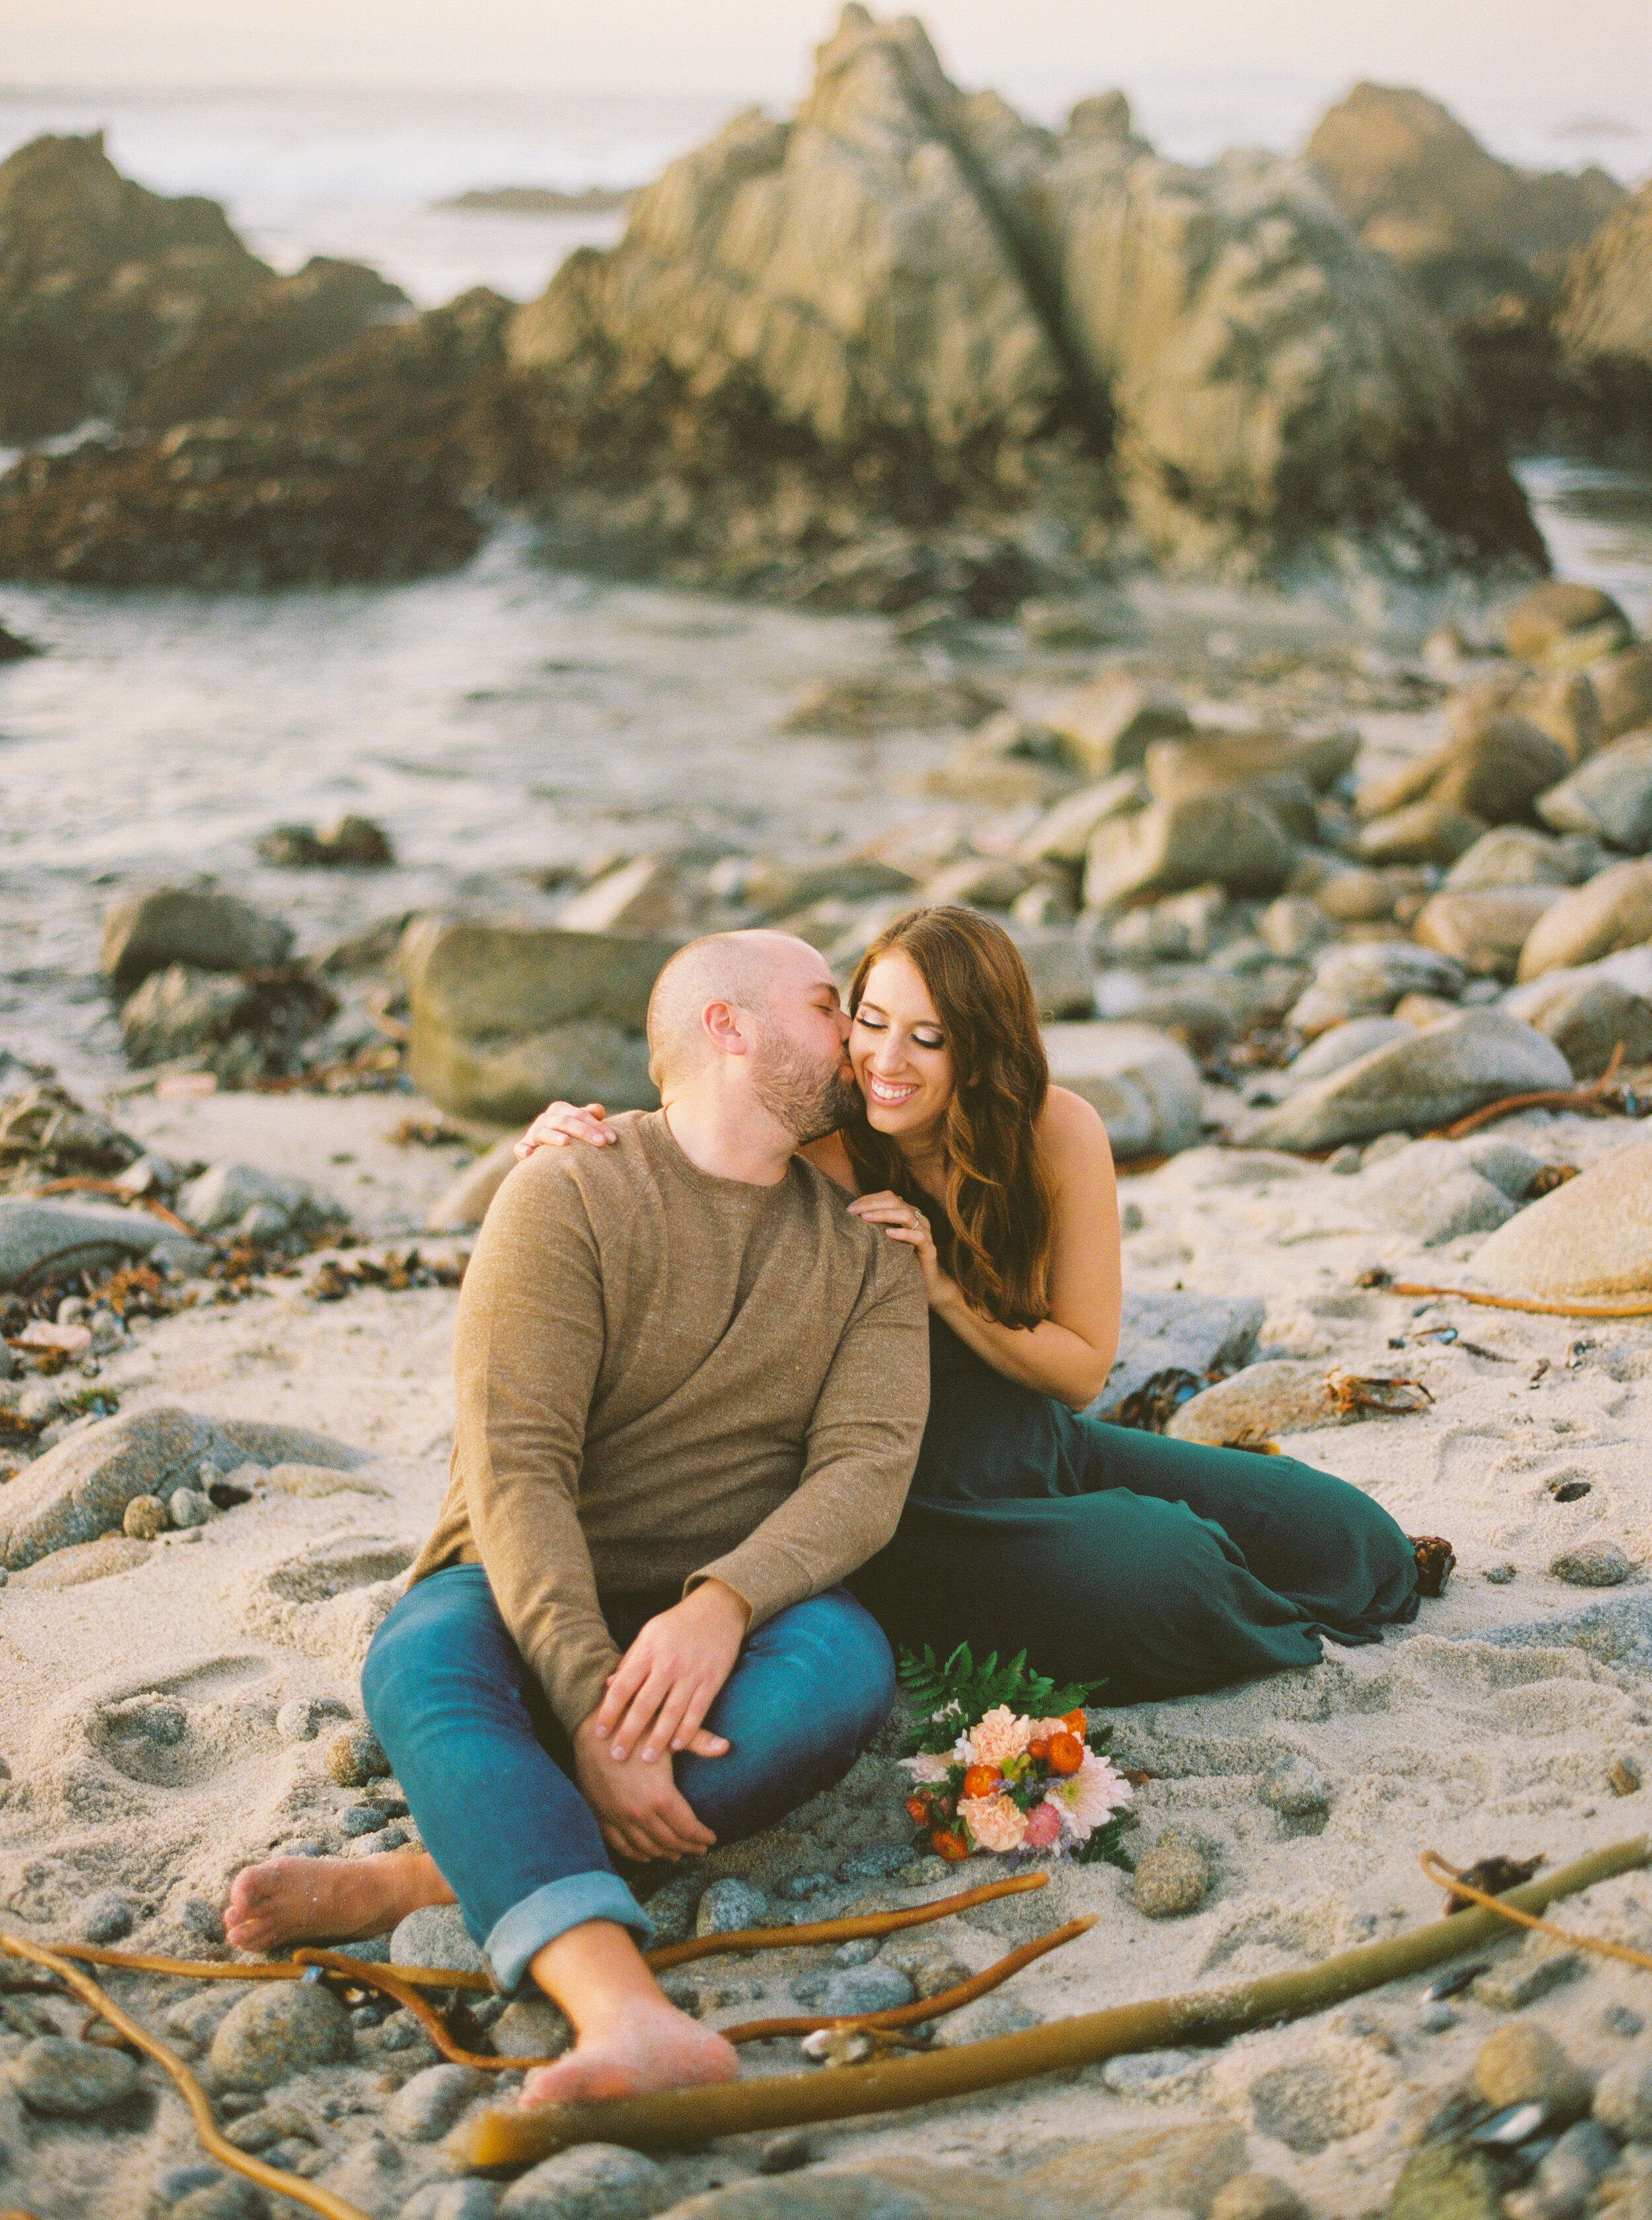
(1585, 55)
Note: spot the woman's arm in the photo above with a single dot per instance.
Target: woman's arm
(1070, 1355)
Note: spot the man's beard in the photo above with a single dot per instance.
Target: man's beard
(808, 1099)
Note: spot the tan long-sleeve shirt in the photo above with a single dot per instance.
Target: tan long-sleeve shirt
(665, 1377)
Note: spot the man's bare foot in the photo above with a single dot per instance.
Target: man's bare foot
(327, 1899)
(646, 2048)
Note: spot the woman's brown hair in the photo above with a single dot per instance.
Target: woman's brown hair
(998, 1194)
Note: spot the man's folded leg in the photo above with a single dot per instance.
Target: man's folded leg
(446, 1690)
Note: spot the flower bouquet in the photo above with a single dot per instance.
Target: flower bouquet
(995, 1765)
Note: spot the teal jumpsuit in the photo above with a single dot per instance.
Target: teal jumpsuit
(1162, 1567)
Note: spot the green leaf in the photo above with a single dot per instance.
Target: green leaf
(949, 1697)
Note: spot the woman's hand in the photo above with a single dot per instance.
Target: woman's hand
(902, 1221)
(562, 1122)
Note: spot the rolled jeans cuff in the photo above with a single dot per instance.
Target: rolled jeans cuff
(517, 1938)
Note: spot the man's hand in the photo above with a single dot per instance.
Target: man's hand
(642, 1813)
(668, 1679)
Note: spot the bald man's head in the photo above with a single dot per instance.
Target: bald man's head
(792, 1052)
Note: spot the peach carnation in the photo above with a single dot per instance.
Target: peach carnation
(994, 1822)
(927, 1768)
(1000, 1735)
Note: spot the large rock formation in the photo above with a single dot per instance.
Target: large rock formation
(1486, 244)
(116, 302)
(1605, 323)
(912, 306)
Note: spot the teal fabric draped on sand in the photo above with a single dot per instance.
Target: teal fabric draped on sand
(1162, 1566)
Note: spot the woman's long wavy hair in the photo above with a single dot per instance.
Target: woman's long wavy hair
(998, 1199)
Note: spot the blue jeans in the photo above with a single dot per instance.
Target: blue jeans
(486, 1769)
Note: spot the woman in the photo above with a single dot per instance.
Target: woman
(1163, 1566)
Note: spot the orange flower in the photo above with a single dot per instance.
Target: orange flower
(949, 1844)
(981, 1779)
(1066, 1753)
(1038, 1749)
(1075, 1723)
(918, 1811)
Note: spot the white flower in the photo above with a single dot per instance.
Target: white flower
(926, 1767)
(1088, 1799)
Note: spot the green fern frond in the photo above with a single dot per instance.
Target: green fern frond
(949, 1697)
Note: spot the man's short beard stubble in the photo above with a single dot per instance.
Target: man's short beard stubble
(808, 1099)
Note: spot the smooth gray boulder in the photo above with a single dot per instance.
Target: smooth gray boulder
(1345, 1043)
(1431, 1191)
(78, 1235)
(1592, 1237)
(80, 1489)
(1365, 978)
(1465, 1061)
(225, 1192)
(277, 2030)
(505, 1018)
(1146, 1087)
(592, 2181)
(188, 925)
(70, 2080)
(1588, 1016)
(1226, 837)
(1181, 1333)
(436, 1935)
(1610, 795)
(1613, 910)
(1516, 856)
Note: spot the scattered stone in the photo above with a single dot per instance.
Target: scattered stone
(1591, 1236)
(1588, 1015)
(471, 2199)
(988, 2016)
(144, 1518)
(1493, 768)
(1516, 856)
(241, 1027)
(593, 2181)
(1256, 2196)
(364, 1819)
(222, 1196)
(1522, 2064)
(436, 1935)
(80, 1489)
(796, 1888)
(506, 1020)
(1618, 2019)
(1624, 1775)
(1367, 978)
(71, 2081)
(1538, 1968)
(671, 1908)
(1595, 1564)
(1294, 926)
(1109, 723)
(1140, 2071)
(1064, 836)
(1622, 687)
(532, 2028)
(1433, 1192)
(784, 2153)
(858, 708)
(110, 1918)
(1550, 614)
(1613, 911)
(74, 1235)
(925, 1960)
(279, 2029)
(184, 925)
(1295, 1788)
(877, 1863)
(1437, 2018)
(1181, 1332)
(1567, 2176)
(1058, 970)
(1446, 2179)
(353, 842)
(1485, 928)
(425, 2108)
(187, 1506)
(1459, 1065)
(1229, 838)
(877, 1988)
(1145, 1087)
(1172, 1879)
(355, 1756)
(648, 894)
(1609, 796)
(1345, 1043)
(729, 1905)
(1280, 1395)
(1422, 833)
(302, 1717)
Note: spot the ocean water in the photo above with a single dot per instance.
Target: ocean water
(509, 720)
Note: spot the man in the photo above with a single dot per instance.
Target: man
(691, 1389)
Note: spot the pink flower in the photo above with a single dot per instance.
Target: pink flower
(999, 1735)
(1088, 1799)
(1042, 1827)
(994, 1821)
(927, 1768)
(1047, 1729)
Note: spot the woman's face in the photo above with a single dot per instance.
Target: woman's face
(899, 1049)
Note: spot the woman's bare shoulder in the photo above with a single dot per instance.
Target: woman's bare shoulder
(829, 1156)
(1071, 1133)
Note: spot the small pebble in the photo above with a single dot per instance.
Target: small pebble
(1529, 1975)
(108, 1918)
(279, 2029)
(302, 1717)
(1295, 1788)
(672, 1910)
(144, 1518)
(203, 1919)
(532, 2028)
(436, 1935)
(783, 2153)
(1141, 2070)
(860, 1952)
(1624, 1775)
(1435, 2019)
(1594, 1565)
(177, 2182)
(1623, 2101)
(796, 1887)
(71, 2081)
(877, 1863)
(1521, 2063)
(1171, 1880)
(1618, 2019)
(864, 1989)
(187, 1506)
(1346, 1159)
(729, 1905)
(355, 1756)
(1499, 1575)
(393, 1838)
(424, 2109)
(472, 2200)
(593, 2181)
(364, 1819)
